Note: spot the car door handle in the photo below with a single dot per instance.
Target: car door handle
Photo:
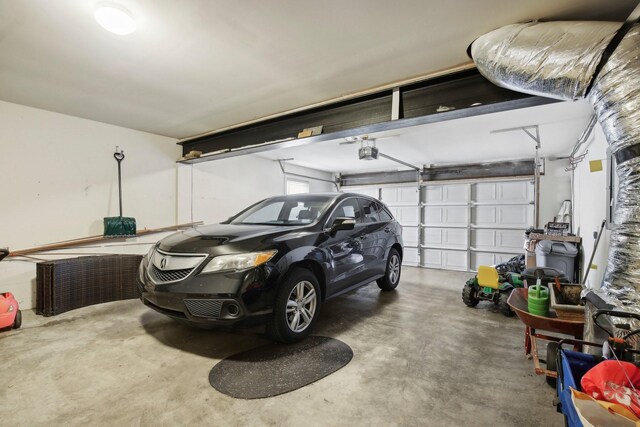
(364, 236)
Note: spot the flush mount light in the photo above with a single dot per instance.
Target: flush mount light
(115, 19)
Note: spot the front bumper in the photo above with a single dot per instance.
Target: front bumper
(7, 319)
(225, 299)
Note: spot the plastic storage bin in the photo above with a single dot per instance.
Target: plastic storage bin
(558, 255)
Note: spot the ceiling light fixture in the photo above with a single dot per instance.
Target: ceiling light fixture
(115, 19)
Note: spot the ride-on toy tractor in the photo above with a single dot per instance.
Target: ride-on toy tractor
(489, 285)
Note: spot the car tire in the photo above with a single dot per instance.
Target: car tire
(293, 316)
(17, 322)
(503, 306)
(391, 277)
(468, 296)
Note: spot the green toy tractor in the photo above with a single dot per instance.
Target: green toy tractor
(489, 285)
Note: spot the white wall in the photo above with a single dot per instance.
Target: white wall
(555, 188)
(60, 180)
(590, 206)
(222, 188)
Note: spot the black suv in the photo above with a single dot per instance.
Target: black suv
(274, 263)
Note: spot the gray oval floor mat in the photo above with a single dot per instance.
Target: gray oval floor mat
(275, 369)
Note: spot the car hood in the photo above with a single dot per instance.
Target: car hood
(225, 238)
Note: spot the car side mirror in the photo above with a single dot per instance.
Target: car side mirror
(342, 223)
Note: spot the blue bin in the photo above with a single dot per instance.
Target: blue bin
(571, 367)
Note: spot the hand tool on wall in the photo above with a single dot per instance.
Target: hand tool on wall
(119, 226)
(593, 252)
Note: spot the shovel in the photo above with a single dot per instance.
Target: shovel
(119, 226)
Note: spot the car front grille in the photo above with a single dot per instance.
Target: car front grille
(166, 267)
(204, 307)
(162, 276)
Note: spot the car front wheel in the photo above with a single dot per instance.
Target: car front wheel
(296, 307)
(392, 275)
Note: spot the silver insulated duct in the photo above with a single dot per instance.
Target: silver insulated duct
(573, 60)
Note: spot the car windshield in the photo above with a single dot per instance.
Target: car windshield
(286, 210)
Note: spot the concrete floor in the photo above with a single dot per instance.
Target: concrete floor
(420, 358)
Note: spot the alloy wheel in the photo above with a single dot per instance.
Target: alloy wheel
(394, 268)
(301, 306)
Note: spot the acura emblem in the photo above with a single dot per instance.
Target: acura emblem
(163, 263)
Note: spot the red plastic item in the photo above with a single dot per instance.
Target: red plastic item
(10, 315)
(607, 381)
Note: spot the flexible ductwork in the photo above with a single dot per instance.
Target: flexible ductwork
(570, 60)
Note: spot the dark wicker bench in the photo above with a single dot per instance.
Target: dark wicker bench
(67, 284)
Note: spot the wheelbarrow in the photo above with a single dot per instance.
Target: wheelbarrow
(534, 323)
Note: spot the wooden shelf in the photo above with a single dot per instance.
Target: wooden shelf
(537, 236)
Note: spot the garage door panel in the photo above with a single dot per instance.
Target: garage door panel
(481, 258)
(447, 194)
(456, 194)
(510, 240)
(445, 259)
(502, 216)
(446, 215)
(484, 215)
(433, 215)
(484, 192)
(514, 192)
(455, 238)
(432, 258)
(514, 216)
(503, 240)
(455, 260)
(406, 216)
(483, 239)
(410, 236)
(410, 256)
(456, 215)
(488, 258)
(407, 196)
(434, 194)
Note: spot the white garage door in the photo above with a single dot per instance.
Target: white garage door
(404, 204)
(472, 224)
(463, 225)
(445, 220)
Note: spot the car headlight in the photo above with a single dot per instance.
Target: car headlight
(10, 308)
(238, 261)
(141, 271)
(150, 253)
